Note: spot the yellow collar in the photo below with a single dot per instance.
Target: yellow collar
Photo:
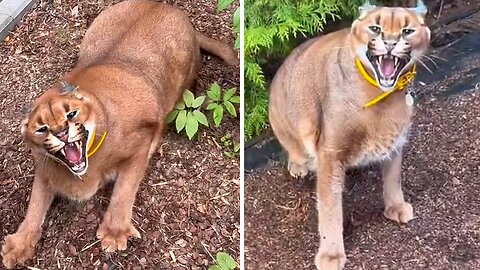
(90, 153)
(402, 82)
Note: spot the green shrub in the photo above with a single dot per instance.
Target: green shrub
(223, 4)
(270, 29)
(224, 262)
(219, 103)
(187, 114)
(231, 148)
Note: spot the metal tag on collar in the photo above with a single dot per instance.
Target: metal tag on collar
(409, 96)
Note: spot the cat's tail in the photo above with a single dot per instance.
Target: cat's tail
(218, 48)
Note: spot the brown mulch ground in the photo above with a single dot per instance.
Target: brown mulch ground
(441, 173)
(187, 208)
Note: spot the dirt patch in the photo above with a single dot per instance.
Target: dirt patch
(441, 175)
(187, 208)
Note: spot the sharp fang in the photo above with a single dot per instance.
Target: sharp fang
(396, 60)
(62, 151)
(77, 144)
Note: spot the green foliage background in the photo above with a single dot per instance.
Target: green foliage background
(270, 29)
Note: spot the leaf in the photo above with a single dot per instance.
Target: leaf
(201, 118)
(212, 106)
(217, 115)
(229, 93)
(171, 116)
(191, 126)
(223, 4)
(225, 261)
(181, 120)
(198, 101)
(236, 20)
(235, 99)
(215, 267)
(237, 42)
(180, 105)
(236, 147)
(230, 108)
(214, 93)
(229, 155)
(188, 97)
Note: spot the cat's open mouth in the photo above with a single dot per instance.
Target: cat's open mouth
(387, 68)
(74, 155)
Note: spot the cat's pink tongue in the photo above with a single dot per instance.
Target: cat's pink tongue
(72, 153)
(388, 67)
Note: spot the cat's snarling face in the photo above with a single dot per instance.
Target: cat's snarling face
(59, 127)
(389, 41)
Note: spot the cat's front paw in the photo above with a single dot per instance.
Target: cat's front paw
(19, 248)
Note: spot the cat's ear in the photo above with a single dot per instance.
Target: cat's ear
(364, 9)
(26, 109)
(420, 10)
(70, 89)
(23, 125)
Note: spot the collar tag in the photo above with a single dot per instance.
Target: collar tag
(409, 100)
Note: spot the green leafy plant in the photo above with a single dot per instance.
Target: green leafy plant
(222, 5)
(271, 29)
(187, 114)
(224, 262)
(232, 149)
(219, 103)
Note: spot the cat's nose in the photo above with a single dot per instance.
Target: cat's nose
(62, 134)
(390, 44)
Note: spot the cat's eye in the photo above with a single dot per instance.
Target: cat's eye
(407, 31)
(72, 114)
(375, 29)
(42, 129)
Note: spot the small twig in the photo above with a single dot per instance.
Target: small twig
(161, 184)
(204, 247)
(220, 196)
(89, 246)
(172, 255)
(440, 10)
(26, 176)
(295, 206)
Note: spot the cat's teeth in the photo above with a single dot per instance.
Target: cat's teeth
(396, 60)
(62, 151)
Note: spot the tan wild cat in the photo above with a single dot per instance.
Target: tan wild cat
(104, 121)
(319, 111)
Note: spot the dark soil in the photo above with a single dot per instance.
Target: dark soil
(187, 208)
(441, 172)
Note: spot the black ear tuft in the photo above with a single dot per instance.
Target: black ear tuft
(27, 108)
(68, 88)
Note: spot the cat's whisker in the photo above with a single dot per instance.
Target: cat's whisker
(437, 57)
(430, 59)
(423, 64)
